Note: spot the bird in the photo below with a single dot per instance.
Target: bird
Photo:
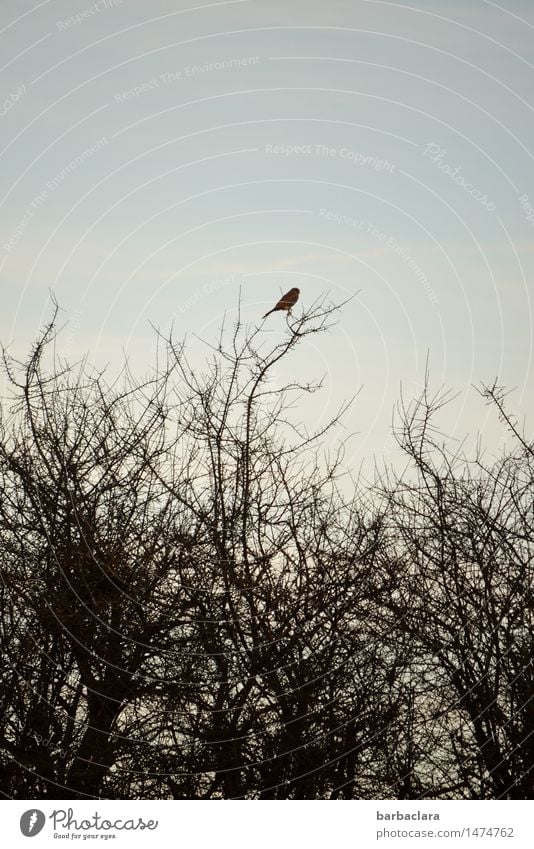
(286, 302)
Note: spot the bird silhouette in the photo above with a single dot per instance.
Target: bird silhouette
(286, 302)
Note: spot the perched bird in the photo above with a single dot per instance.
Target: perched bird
(286, 302)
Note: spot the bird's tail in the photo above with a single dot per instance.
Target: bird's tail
(268, 313)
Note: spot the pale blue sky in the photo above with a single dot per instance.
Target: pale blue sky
(412, 183)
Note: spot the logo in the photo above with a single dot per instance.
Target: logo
(31, 822)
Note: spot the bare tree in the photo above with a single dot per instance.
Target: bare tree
(463, 535)
(197, 604)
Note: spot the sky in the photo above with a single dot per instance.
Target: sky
(161, 160)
